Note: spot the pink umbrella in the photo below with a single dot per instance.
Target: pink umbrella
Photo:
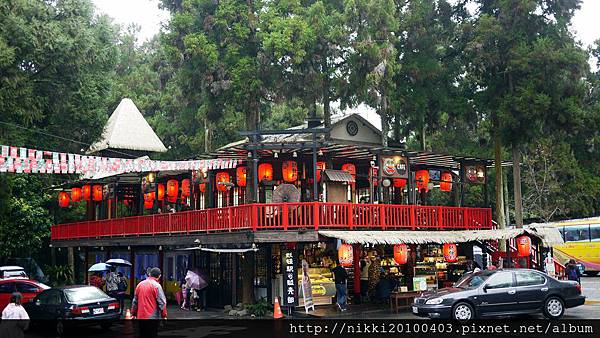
(195, 281)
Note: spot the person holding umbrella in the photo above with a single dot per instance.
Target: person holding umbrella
(118, 282)
(96, 277)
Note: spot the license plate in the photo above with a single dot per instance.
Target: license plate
(415, 309)
(98, 311)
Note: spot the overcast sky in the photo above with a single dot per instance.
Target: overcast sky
(147, 14)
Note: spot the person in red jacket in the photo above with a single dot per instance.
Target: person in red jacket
(150, 304)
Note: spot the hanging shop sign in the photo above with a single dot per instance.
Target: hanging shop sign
(345, 255)
(290, 277)
(32, 161)
(475, 173)
(394, 166)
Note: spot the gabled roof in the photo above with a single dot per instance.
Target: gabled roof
(362, 112)
(127, 129)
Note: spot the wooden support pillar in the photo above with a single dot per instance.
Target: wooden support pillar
(356, 252)
(71, 259)
(211, 191)
(161, 264)
(86, 265)
(132, 271)
(268, 259)
(248, 261)
(314, 165)
(463, 184)
(486, 198)
(410, 183)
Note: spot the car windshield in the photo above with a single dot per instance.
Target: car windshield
(81, 295)
(472, 280)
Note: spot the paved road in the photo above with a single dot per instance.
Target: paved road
(213, 326)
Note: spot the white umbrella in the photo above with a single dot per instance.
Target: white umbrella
(99, 267)
(118, 262)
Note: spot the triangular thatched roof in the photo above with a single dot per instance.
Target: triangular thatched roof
(127, 129)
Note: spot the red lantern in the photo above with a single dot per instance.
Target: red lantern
(97, 193)
(161, 191)
(86, 190)
(373, 174)
(76, 194)
(148, 204)
(240, 176)
(185, 187)
(524, 246)
(422, 178)
(265, 172)
(450, 252)
(320, 167)
(172, 190)
(63, 199)
(399, 182)
(350, 168)
(202, 187)
(222, 177)
(345, 255)
(446, 183)
(149, 197)
(400, 253)
(290, 171)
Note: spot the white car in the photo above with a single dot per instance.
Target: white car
(12, 271)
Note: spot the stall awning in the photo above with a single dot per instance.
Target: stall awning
(549, 236)
(241, 250)
(337, 176)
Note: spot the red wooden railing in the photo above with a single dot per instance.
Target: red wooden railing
(284, 216)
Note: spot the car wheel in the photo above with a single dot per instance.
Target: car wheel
(463, 312)
(554, 308)
(59, 327)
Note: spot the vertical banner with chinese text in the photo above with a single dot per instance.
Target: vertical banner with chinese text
(289, 266)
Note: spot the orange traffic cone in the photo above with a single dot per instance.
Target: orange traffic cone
(128, 331)
(277, 310)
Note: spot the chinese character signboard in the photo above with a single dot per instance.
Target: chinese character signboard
(289, 266)
(394, 166)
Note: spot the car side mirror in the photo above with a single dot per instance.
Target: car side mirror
(485, 288)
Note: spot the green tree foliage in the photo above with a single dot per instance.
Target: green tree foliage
(56, 74)
(430, 93)
(24, 217)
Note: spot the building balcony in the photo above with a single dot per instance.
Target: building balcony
(283, 216)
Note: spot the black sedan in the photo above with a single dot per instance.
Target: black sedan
(498, 293)
(76, 305)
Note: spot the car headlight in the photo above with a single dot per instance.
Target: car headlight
(434, 301)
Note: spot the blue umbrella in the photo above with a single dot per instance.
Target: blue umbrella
(98, 267)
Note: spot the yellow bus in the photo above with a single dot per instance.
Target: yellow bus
(582, 243)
